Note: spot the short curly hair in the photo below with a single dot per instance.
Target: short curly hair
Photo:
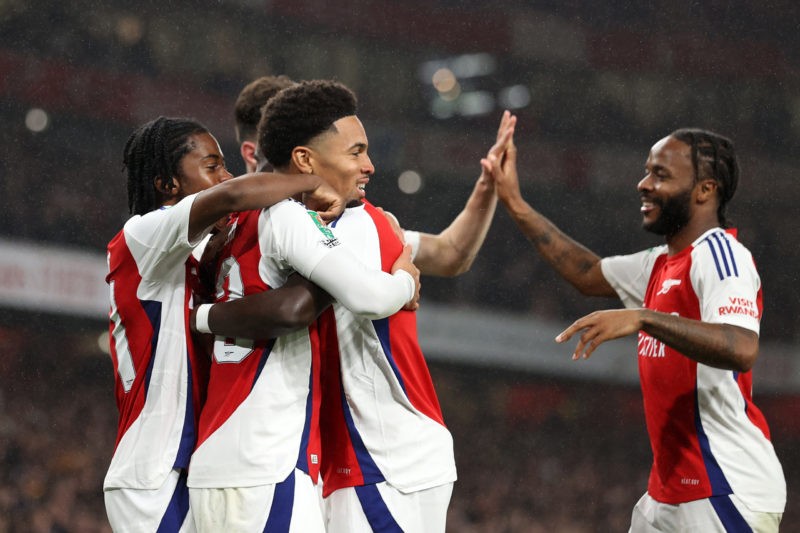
(298, 114)
(251, 100)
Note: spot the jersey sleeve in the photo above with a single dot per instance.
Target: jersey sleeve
(160, 239)
(412, 238)
(629, 274)
(727, 283)
(304, 242)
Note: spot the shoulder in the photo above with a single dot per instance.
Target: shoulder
(722, 252)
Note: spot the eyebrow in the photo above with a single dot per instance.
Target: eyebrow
(214, 156)
(360, 146)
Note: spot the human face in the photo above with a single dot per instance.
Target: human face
(340, 158)
(203, 166)
(666, 189)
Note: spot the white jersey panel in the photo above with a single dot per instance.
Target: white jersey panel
(629, 274)
(726, 283)
(412, 451)
(259, 441)
(725, 280)
(147, 452)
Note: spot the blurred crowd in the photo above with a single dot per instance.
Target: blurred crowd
(533, 454)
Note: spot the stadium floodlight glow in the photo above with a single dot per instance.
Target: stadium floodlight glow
(514, 97)
(409, 182)
(473, 65)
(475, 103)
(36, 120)
(443, 109)
(129, 29)
(443, 80)
(463, 66)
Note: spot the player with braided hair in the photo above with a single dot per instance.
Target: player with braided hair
(178, 187)
(695, 303)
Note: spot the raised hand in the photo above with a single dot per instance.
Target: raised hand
(500, 164)
(503, 141)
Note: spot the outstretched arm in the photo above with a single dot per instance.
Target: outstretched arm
(256, 191)
(268, 314)
(453, 251)
(717, 345)
(573, 261)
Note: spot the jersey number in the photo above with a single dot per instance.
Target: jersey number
(228, 350)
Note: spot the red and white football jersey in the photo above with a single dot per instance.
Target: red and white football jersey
(380, 416)
(707, 435)
(159, 380)
(259, 421)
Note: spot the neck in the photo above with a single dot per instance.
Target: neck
(690, 233)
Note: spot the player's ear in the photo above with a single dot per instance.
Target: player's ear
(248, 151)
(706, 190)
(302, 157)
(167, 187)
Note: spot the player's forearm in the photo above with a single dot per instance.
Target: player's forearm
(370, 293)
(718, 345)
(269, 314)
(574, 262)
(453, 251)
(251, 191)
(263, 189)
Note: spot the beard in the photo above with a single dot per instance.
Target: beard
(674, 214)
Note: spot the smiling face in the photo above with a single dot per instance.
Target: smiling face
(667, 189)
(203, 166)
(340, 158)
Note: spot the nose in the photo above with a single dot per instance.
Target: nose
(645, 184)
(226, 175)
(369, 168)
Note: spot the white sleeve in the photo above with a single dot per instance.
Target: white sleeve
(295, 236)
(159, 240)
(412, 238)
(304, 242)
(629, 274)
(370, 293)
(726, 282)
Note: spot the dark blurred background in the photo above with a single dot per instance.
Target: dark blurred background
(540, 446)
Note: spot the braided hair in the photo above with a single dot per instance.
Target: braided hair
(154, 151)
(713, 157)
(298, 114)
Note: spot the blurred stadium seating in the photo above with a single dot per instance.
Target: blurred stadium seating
(539, 448)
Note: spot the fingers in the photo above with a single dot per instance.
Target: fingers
(591, 338)
(505, 120)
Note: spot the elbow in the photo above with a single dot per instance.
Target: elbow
(746, 361)
(746, 353)
(297, 313)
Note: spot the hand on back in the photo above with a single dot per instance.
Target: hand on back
(325, 201)
(404, 263)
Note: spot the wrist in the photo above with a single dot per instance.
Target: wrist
(201, 318)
